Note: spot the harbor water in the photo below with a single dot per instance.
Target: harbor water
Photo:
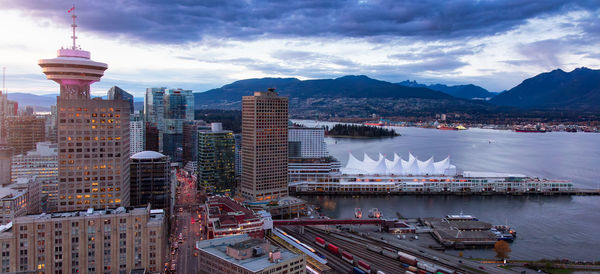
(547, 226)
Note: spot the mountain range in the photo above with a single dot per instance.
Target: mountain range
(360, 95)
(469, 91)
(575, 90)
(344, 87)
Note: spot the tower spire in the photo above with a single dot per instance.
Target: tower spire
(74, 25)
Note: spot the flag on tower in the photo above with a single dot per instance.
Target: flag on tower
(71, 9)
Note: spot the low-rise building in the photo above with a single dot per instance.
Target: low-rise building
(224, 217)
(313, 169)
(41, 164)
(93, 241)
(243, 254)
(13, 203)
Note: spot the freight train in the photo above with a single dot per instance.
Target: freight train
(410, 262)
(359, 266)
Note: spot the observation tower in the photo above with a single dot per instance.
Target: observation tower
(73, 69)
(93, 134)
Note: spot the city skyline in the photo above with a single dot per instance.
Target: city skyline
(452, 43)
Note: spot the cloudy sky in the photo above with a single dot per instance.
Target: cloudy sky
(205, 44)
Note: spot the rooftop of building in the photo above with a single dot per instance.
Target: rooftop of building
(306, 128)
(43, 149)
(218, 248)
(229, 212)
(154, 214)
(252, 242)
(9, 192)
(322, 160)
(147, 155)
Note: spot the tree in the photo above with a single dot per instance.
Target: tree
(502, 249)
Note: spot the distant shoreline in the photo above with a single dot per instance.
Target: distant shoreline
(360, 137)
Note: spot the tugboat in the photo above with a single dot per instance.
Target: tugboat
(357, 213)
(502, 234)
(375, 213)
(506, 230)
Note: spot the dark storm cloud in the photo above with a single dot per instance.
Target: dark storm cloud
(184, 21)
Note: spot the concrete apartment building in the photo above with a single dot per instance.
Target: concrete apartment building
(264, 146)
(105, 241)
(242, 254)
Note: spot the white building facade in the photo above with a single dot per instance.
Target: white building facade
(312, 141)
(136, 134)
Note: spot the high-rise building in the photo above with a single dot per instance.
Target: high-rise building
(172, 142)
(51, 125)
(93, 134)
(117, 93)
(151, 137)
(311, 141)
(41, 164)
(154, 111)
(5, 164)
(264, 146)
(150, 180)
(246, 255)
(238, 155)
(190, 139)
(23, 132)
(179, 104)
(93, 241)
(179, 109)
(216, 160)
(136, 133)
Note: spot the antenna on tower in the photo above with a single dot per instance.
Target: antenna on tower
(74, 25)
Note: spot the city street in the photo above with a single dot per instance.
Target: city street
(187, 226)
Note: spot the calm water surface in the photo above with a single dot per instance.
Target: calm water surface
(548, 227)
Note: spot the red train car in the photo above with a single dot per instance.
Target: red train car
(364, 266)
(333, 249)
(320, 242)
(347, 257)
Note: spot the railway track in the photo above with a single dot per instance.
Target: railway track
(334, 262)
(360, 252)
(364, 240)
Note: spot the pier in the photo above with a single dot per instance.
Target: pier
(545, 188)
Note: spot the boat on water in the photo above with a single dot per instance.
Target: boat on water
(445, 127)
(504, 233)
(461, 217)
(375, 213)
(358, 213)
(506, 229)
(374, 124)
(530, 129)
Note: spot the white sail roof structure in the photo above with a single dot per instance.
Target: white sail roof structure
(398, 166)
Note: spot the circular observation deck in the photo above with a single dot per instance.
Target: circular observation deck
(72, 66)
